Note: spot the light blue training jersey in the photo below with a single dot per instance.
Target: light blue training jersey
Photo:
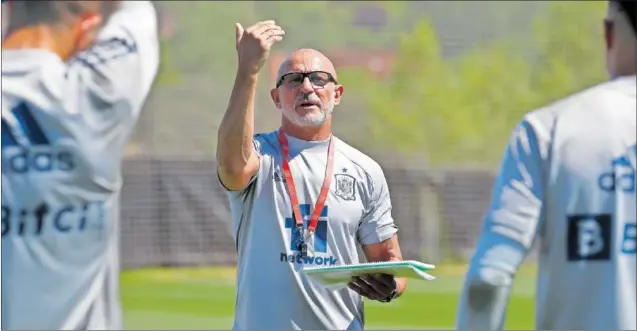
(65, 127)
(568, 182)
(272, 292)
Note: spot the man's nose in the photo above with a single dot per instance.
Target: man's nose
(306, 86)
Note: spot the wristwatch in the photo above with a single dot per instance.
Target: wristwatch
(392, 295)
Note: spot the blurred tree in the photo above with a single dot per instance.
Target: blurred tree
(205, 30)
(569, 40)
(464, 25)
(199, 63)
(195, 79)
(414, 92)
(453, 106)
(495, 91)
(305, 23)
(461, 110)
(204, 37)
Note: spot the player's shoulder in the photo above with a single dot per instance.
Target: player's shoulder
(28, 60)
(591, 98)
(361, 161)
(34, 75)
(142, 13)
(577, 107)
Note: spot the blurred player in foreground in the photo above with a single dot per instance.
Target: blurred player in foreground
(270, 175)
(567, 180)
(74, 77)
(3, 18)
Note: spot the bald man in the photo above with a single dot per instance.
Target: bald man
(300, 197)
(74, 78)
(568, 181)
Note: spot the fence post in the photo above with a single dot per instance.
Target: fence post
(430, 218)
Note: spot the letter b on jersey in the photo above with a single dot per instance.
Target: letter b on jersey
(589, 237)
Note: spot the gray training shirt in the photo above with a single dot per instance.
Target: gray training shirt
(272, 293)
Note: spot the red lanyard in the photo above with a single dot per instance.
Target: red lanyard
(327, 181)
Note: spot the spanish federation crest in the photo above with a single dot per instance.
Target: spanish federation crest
(345, 187)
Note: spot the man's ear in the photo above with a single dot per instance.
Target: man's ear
(88, 27)
(274, 93)
(338, 93)
(608, 33)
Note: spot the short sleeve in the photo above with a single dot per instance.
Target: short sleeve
(377, 224)
(257, 143)
(516, 205)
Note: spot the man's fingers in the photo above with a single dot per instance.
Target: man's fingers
(377, 285)
(259, 25)
(266, 30)
(275, 35)
(276, 31)
(387, 280)
(366, 289)
(239, 31)
(270, 36)
(275, 39)
(355, 288)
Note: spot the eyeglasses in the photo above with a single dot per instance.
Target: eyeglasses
(318, 79)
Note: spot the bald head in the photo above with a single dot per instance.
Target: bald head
(305, 60)
(306, 89)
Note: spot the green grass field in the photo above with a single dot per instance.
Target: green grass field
(203, 298)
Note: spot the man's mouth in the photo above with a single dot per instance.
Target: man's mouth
(307, 104)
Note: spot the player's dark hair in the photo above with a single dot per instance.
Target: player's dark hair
(629, 7)
(26, 13)
(33, 12)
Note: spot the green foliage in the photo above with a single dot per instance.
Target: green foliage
(204, 40)
(461, 110)
(303, 25)
(495, 92)
(205, 30)
(570, 48)
(399, 104)
(199, 63)
(455, 101)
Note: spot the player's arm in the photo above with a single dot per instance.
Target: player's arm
(121, 66)
(510, 226)
(238, 162)
(377, 234)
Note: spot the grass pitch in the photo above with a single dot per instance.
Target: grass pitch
(203, 298)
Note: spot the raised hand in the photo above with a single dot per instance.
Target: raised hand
(254, 43)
